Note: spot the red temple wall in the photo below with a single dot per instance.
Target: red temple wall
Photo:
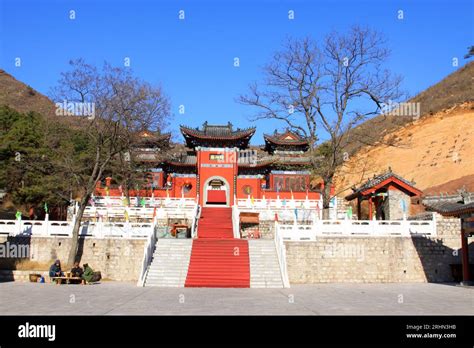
(252, 183)
(272, 194)
(177, 187)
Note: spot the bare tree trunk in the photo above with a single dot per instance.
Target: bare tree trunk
(75, 231)
(127, 195)
(326, 197)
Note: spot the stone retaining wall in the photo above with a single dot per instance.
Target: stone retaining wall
(378, 259)
(20, 276)
(116, 258)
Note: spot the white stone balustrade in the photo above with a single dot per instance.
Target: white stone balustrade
(100, 229)
(354, 228)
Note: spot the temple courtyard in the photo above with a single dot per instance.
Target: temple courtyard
(119, 298)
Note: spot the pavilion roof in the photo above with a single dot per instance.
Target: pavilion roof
(379, 181)
(151, 139)
(274, 161)
(463, 204)
(216, 132)
(153, 136)
(183, 160)
(287, 139)
(261, 162)
(452, 209)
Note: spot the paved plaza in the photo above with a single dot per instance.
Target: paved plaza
(115, 298)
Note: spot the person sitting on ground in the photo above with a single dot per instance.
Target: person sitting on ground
(89, 275)
(76, 270)
(55, 269)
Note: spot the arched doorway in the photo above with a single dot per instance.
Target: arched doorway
(216, 192)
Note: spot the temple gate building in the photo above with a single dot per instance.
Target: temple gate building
(217, 165)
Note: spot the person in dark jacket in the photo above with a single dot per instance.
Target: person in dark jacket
(76, 270)
(55, 269)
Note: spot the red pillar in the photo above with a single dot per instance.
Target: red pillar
(370, 208)
(465, 253)
(358, 208)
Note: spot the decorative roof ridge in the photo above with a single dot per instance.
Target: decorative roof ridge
(377, 179)
(229, 125)
(279, 137)
(220, 126)
(215, 133)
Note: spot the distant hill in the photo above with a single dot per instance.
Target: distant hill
(455, 89)
(22, 97)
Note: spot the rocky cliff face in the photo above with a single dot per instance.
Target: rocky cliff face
(433, 150)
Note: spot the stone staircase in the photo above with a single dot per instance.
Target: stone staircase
(170, 263)
(264, 267)
(171, 259)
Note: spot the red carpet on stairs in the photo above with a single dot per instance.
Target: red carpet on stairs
(215, 223)
(218, 260)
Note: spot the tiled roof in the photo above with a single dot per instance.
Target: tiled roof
(377, 180)
(151, 140)
(450, 208)
(268, 160)
(293, 159)
(218, 131)
(154, 136)
(183, 160)
(287, 138)
(453, 205)
(261, 162)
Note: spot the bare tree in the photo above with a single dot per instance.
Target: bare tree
(123, 106)
(324, 90)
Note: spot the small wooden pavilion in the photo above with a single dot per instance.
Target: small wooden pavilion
(388, 195)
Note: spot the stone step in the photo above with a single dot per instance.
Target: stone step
(258, 281)
(264, 265)
(166, 269)
(171, 272)
(170, 279)
(170, 262)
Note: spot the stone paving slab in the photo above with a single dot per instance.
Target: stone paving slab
(116, 298)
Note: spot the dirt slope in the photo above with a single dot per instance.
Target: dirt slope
(436, 152)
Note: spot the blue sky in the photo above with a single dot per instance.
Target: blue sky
(193, 59)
